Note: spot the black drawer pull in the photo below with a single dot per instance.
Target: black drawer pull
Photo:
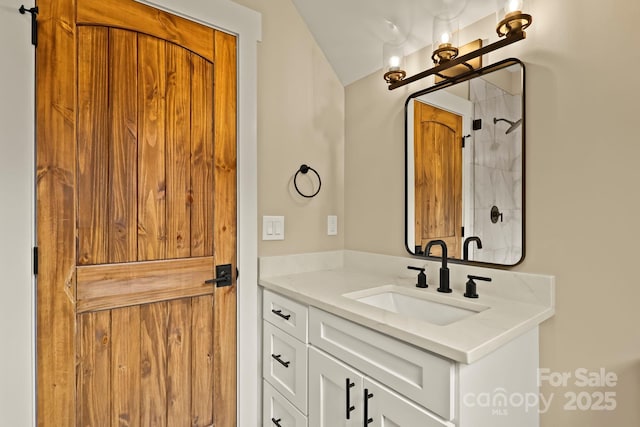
(279, 313)
(276, 422)
(348, 386)
(367, 396)
(282, 362)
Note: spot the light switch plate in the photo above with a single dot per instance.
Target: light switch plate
(272, 228)
(332, 225)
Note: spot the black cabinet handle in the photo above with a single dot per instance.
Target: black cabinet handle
(282, 362)
(279, 313)
(367, 396)
(348, 385)
(276, 422)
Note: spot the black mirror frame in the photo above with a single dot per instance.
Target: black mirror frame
(445, 84)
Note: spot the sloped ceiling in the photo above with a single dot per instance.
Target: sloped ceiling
(351, 32)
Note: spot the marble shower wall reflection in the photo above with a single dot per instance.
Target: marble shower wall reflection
(497, 165)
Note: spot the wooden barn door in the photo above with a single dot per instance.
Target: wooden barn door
(136, 188)
(438, 178)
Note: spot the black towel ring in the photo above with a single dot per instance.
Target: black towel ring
(304, 169)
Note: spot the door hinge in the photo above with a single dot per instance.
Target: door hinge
(462, 229)
(35, 261)
(34, 22)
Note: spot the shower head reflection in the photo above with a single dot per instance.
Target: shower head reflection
(512, 125)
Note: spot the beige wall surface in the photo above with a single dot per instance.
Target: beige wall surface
(582, 189)
(300, 121)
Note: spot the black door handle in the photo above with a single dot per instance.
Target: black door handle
(223, 276)
(276, 422)
(348, 385)
(216, 280)
(367, 396)
(282, 362)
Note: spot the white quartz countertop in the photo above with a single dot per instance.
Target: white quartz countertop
(500, 318)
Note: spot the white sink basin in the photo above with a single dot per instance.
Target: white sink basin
(410, 303)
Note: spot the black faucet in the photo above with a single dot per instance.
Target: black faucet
(471, 285)
(422, 278)
(465, 250)
(444, 270)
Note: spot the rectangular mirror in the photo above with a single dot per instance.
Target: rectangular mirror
(464, 161)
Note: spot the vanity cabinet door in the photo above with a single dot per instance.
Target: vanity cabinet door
(278, 412)
(284, 364)
(385, 408)
(286, 314)
(335, 392)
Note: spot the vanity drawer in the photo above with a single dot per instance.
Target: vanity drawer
(284, 361)
(277, 411)
(423, 377)
(286, 314)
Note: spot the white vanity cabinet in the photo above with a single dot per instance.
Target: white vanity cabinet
(340, 396)
(340, 373)
(284, 361)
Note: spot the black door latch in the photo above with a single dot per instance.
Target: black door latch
(223, 276)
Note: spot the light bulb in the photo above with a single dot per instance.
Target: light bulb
(513, 6)
(394, 63)
(445, 38)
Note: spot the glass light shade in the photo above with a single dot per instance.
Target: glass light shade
(445, 40)
(509, 6)
(447, 9)
(511, 17)
(393, 62)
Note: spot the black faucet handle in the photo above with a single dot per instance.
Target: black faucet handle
(471, 285)
(472, 277)
(422, 278)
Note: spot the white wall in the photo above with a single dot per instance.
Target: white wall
(16, 207)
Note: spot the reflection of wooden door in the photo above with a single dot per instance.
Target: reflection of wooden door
(136, 206)
(438, 177)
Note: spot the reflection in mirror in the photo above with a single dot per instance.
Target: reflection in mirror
(465, 166)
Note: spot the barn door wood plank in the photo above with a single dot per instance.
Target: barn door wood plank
(94, 370)
(152, 237)
(132, 15)
(153, 358)
(178, 164)
(179, 363)
(93, 145)
(118, 285)
(202, 361)
(224, 239)
(56, 213)
(201, 157)
(123, 166)
(125, 367)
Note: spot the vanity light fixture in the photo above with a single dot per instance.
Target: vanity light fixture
(510, 29)
(393, 60)
(445, 31)
(514, 20)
